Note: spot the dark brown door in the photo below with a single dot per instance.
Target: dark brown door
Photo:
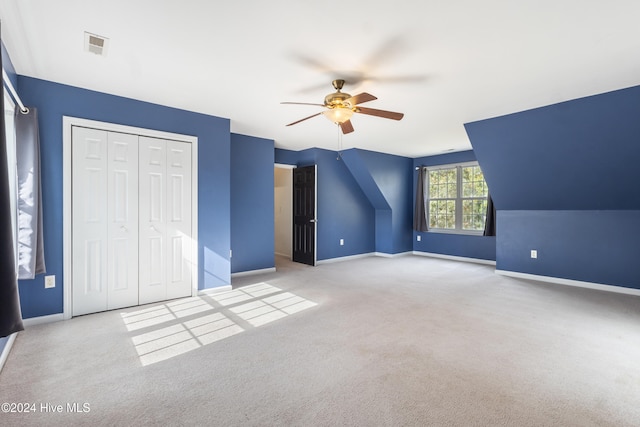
(304, 215)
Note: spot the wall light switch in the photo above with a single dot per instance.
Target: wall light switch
(341, 242)
(49, 281)
(534, 253)
(418, 238)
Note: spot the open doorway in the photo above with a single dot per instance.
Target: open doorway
(283, 211)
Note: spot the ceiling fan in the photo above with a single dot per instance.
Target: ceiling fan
(340, 106)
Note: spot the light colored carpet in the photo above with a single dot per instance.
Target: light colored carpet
(369, 342)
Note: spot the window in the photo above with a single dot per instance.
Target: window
(456, 199)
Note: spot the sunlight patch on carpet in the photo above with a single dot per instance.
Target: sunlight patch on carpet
(180, 326)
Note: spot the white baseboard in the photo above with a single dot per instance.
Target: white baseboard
(212, 291)
(43, 319)
(569, 282)
(386, 255)
(344, 258)
(7, 348)
(288, 256)
(253, 272)
(455, 258)
(367, 255)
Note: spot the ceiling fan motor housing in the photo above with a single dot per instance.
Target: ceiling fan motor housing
(337, 99)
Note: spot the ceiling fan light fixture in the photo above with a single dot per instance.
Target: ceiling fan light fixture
(338, 115)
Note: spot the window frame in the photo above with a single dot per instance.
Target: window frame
(458, 200)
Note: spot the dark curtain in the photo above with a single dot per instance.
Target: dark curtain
(490, 222)
(10, 316)
(420, 214)
(30, 239)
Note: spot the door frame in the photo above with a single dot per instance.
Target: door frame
(290, 223)
(67, 123)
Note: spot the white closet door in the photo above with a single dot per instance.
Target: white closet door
(178, 219)
(152, 220)
(131, 213)
(89, 217)
(165, 220)
(122, 196)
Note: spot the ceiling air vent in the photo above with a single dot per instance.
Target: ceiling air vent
(95, 44)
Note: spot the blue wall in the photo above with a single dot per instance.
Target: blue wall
(576, 155)
(468, 246)
(55, 100)
(391, 180)
(252, 211)
(344, 212)
(577, 245)
(564, 182)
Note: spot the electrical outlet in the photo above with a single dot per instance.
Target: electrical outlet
(49, 282)
(534, 253)
(418, 238)
(341, 242)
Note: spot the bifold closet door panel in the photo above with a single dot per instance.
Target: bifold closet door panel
(152, 213)
(89, 219)
(122, 196)
(179, 244)
(105, 220)
(164, 219)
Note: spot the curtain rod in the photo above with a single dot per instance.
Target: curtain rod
(14, 94)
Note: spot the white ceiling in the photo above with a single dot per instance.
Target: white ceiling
(441, 63)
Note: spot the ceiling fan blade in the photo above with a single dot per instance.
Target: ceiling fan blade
(361, 98)
(306, 118)
(379, 113)
(346, 127)
(303, 103)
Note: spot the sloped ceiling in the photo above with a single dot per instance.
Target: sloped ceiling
(441, 63)
(578, 155)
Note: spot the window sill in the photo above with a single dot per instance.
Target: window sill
(460, 232)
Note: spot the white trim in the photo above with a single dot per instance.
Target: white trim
(345, 258)
(366, 255)
(383, 254)
(288, 256)
(386, 255)
(569, 282)
(455, 231)
(7, 349)
(315, 215)
(212, 291)
(284, 166)
(451, 165)
(455, 258)
(67, 123)
(32, 321)
(253, 272)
